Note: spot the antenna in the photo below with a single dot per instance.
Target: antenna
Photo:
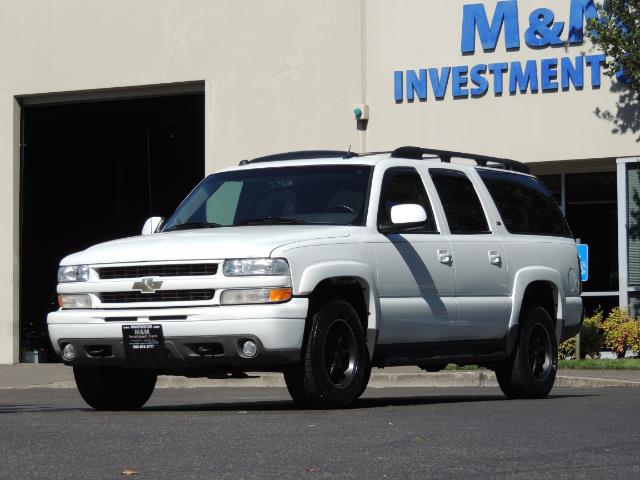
(349, 153)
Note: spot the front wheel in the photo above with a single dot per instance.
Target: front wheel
(531, 371)
(333, 371)
(115, 388)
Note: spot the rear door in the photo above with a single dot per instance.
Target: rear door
(479, 260)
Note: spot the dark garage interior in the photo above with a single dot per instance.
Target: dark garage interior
(94, 171)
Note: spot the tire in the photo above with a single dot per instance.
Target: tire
(367, 373)
(531, 371)
(114, 388)
(334, 366)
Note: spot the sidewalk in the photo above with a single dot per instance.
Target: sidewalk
(55, 375)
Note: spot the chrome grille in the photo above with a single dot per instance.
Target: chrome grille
(199, 295)
(175, 270)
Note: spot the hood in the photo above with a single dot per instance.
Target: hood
(203, 244)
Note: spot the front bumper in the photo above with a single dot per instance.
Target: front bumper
(277, 330)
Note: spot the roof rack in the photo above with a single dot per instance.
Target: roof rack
(417, 153)
(302, 155)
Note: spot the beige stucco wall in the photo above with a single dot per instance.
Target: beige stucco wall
(417, 34)
(278, 75)
(281, 75)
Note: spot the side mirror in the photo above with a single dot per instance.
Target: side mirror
(405, 217)
(152, 225)
(408, 213)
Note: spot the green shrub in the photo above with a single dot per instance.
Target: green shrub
(621, 332)
(590, 339)
(567, 349)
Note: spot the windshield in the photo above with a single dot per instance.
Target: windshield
(325, 195)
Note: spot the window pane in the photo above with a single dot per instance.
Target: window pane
(554, 185)
(402, 186)
(331, 194)
(590, 187)
(525, 205)
(460, 201)
(633, 225)
(221, 206)
(592, 213)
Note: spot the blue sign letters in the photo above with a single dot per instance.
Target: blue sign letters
(543, 31)
(474, 17)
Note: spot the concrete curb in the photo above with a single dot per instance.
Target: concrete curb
(479, 378)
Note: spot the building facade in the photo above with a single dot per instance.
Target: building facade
(111, 111)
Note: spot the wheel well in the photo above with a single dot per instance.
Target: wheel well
(351, 289)
(544, 294)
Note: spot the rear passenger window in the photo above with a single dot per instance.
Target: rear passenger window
(402, 186)
(460, 201)
(525, 205)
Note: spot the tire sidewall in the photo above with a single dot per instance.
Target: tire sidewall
(322, 322)
(114, 388)
(535, 317)
(521, 382)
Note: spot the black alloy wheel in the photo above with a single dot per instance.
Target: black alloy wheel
(539, 353)
(340, 353)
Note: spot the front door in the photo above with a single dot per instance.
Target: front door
(415, 278)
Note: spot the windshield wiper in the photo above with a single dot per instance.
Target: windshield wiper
(194, 225)
(272, 220)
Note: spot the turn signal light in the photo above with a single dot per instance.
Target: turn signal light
(279, 294)
(254, 296)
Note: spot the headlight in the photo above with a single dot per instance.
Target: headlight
(258, 295)
(74, 301)
(74, 273)
(256, 266)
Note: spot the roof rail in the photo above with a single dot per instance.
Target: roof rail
(302, 155)
(417, 153)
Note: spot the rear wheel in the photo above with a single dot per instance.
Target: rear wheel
(115, 388)
(333, 371)
(531, 371)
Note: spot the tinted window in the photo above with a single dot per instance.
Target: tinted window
(554, 186)
(402, 186)
(331, 195)
(460, 201)
(525, 205)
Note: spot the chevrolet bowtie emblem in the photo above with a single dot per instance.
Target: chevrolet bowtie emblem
(147, 285)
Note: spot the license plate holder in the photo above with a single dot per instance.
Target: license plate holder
(142, 340)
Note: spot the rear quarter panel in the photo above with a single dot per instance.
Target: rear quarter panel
(552, 259)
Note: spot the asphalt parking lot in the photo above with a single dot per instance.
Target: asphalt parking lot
(258, 433)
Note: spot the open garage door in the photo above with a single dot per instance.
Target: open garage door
(92, 171)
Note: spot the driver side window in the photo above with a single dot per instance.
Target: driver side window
(402, 186)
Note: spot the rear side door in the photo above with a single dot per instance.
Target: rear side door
(478, 256)
(415, 279)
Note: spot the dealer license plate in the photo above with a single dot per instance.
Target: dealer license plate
(139, 339)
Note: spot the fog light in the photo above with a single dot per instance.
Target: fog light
(69, 352)
(249, 349)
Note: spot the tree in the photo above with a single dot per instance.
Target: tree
(617, 33)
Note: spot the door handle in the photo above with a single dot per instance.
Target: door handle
(494, 257)
(444, 256)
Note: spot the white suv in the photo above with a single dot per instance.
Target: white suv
(322, 265)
